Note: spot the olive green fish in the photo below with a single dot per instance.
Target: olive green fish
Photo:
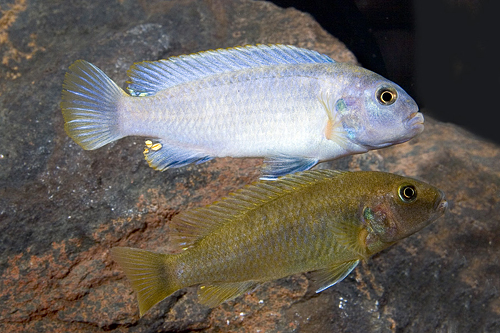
(321, 221)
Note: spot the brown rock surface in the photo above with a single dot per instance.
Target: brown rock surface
(62, 208)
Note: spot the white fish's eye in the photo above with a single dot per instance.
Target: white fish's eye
(386, 95)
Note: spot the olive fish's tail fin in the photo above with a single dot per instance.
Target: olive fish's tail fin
(149, 273)
(89, 105)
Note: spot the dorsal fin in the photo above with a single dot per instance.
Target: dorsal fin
(149, 77)
(188, 227)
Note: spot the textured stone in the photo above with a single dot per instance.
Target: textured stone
(62, 208)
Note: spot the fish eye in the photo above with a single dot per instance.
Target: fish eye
(407, 193)
(386, 96)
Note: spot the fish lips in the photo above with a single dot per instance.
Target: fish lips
(415, 123)
(441, 205)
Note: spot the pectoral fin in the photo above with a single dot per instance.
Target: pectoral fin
(327, 277)
(161, 156)
(282, 165)
(214, 294)
(334, 130)
(352, 237)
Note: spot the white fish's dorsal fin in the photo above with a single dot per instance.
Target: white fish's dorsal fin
(149, 77)
(188, 227)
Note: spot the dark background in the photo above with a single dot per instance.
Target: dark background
(444, 53)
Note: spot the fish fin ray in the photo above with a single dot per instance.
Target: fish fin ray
(334, 130)
(352, 237)
(89, 105)
(188, 227)
(161, 156)
(278, 166)
(149, 77)
(214, 294)
(148, 273)
(327, 277)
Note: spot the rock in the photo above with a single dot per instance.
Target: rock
(63, 208)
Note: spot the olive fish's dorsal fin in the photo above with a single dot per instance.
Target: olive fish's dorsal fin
(214, 294)
(186, 228)
(149, 77)
(329, 276)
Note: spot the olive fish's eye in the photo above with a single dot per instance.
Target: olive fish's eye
(407, 193)
(386, 96)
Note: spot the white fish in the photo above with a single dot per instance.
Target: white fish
(293, 106)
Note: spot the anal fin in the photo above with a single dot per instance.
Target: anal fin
(327, 277)
(214, 294)
(161, 156)
(278, 166)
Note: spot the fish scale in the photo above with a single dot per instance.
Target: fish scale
(271, 239)
(320, 221)
(292, 106)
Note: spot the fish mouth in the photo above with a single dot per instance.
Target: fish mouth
(415, 122)
(440, 208)
(414, 125)
(441, 205)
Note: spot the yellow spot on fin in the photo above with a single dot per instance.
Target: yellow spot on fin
(214, 294)
(149, 144)
(161, 155)
(156, 146)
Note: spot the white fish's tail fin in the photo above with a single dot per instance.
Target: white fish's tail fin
(89, 106)
(149, 273)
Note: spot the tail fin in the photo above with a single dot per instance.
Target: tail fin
(149, 274)
(89, 104)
